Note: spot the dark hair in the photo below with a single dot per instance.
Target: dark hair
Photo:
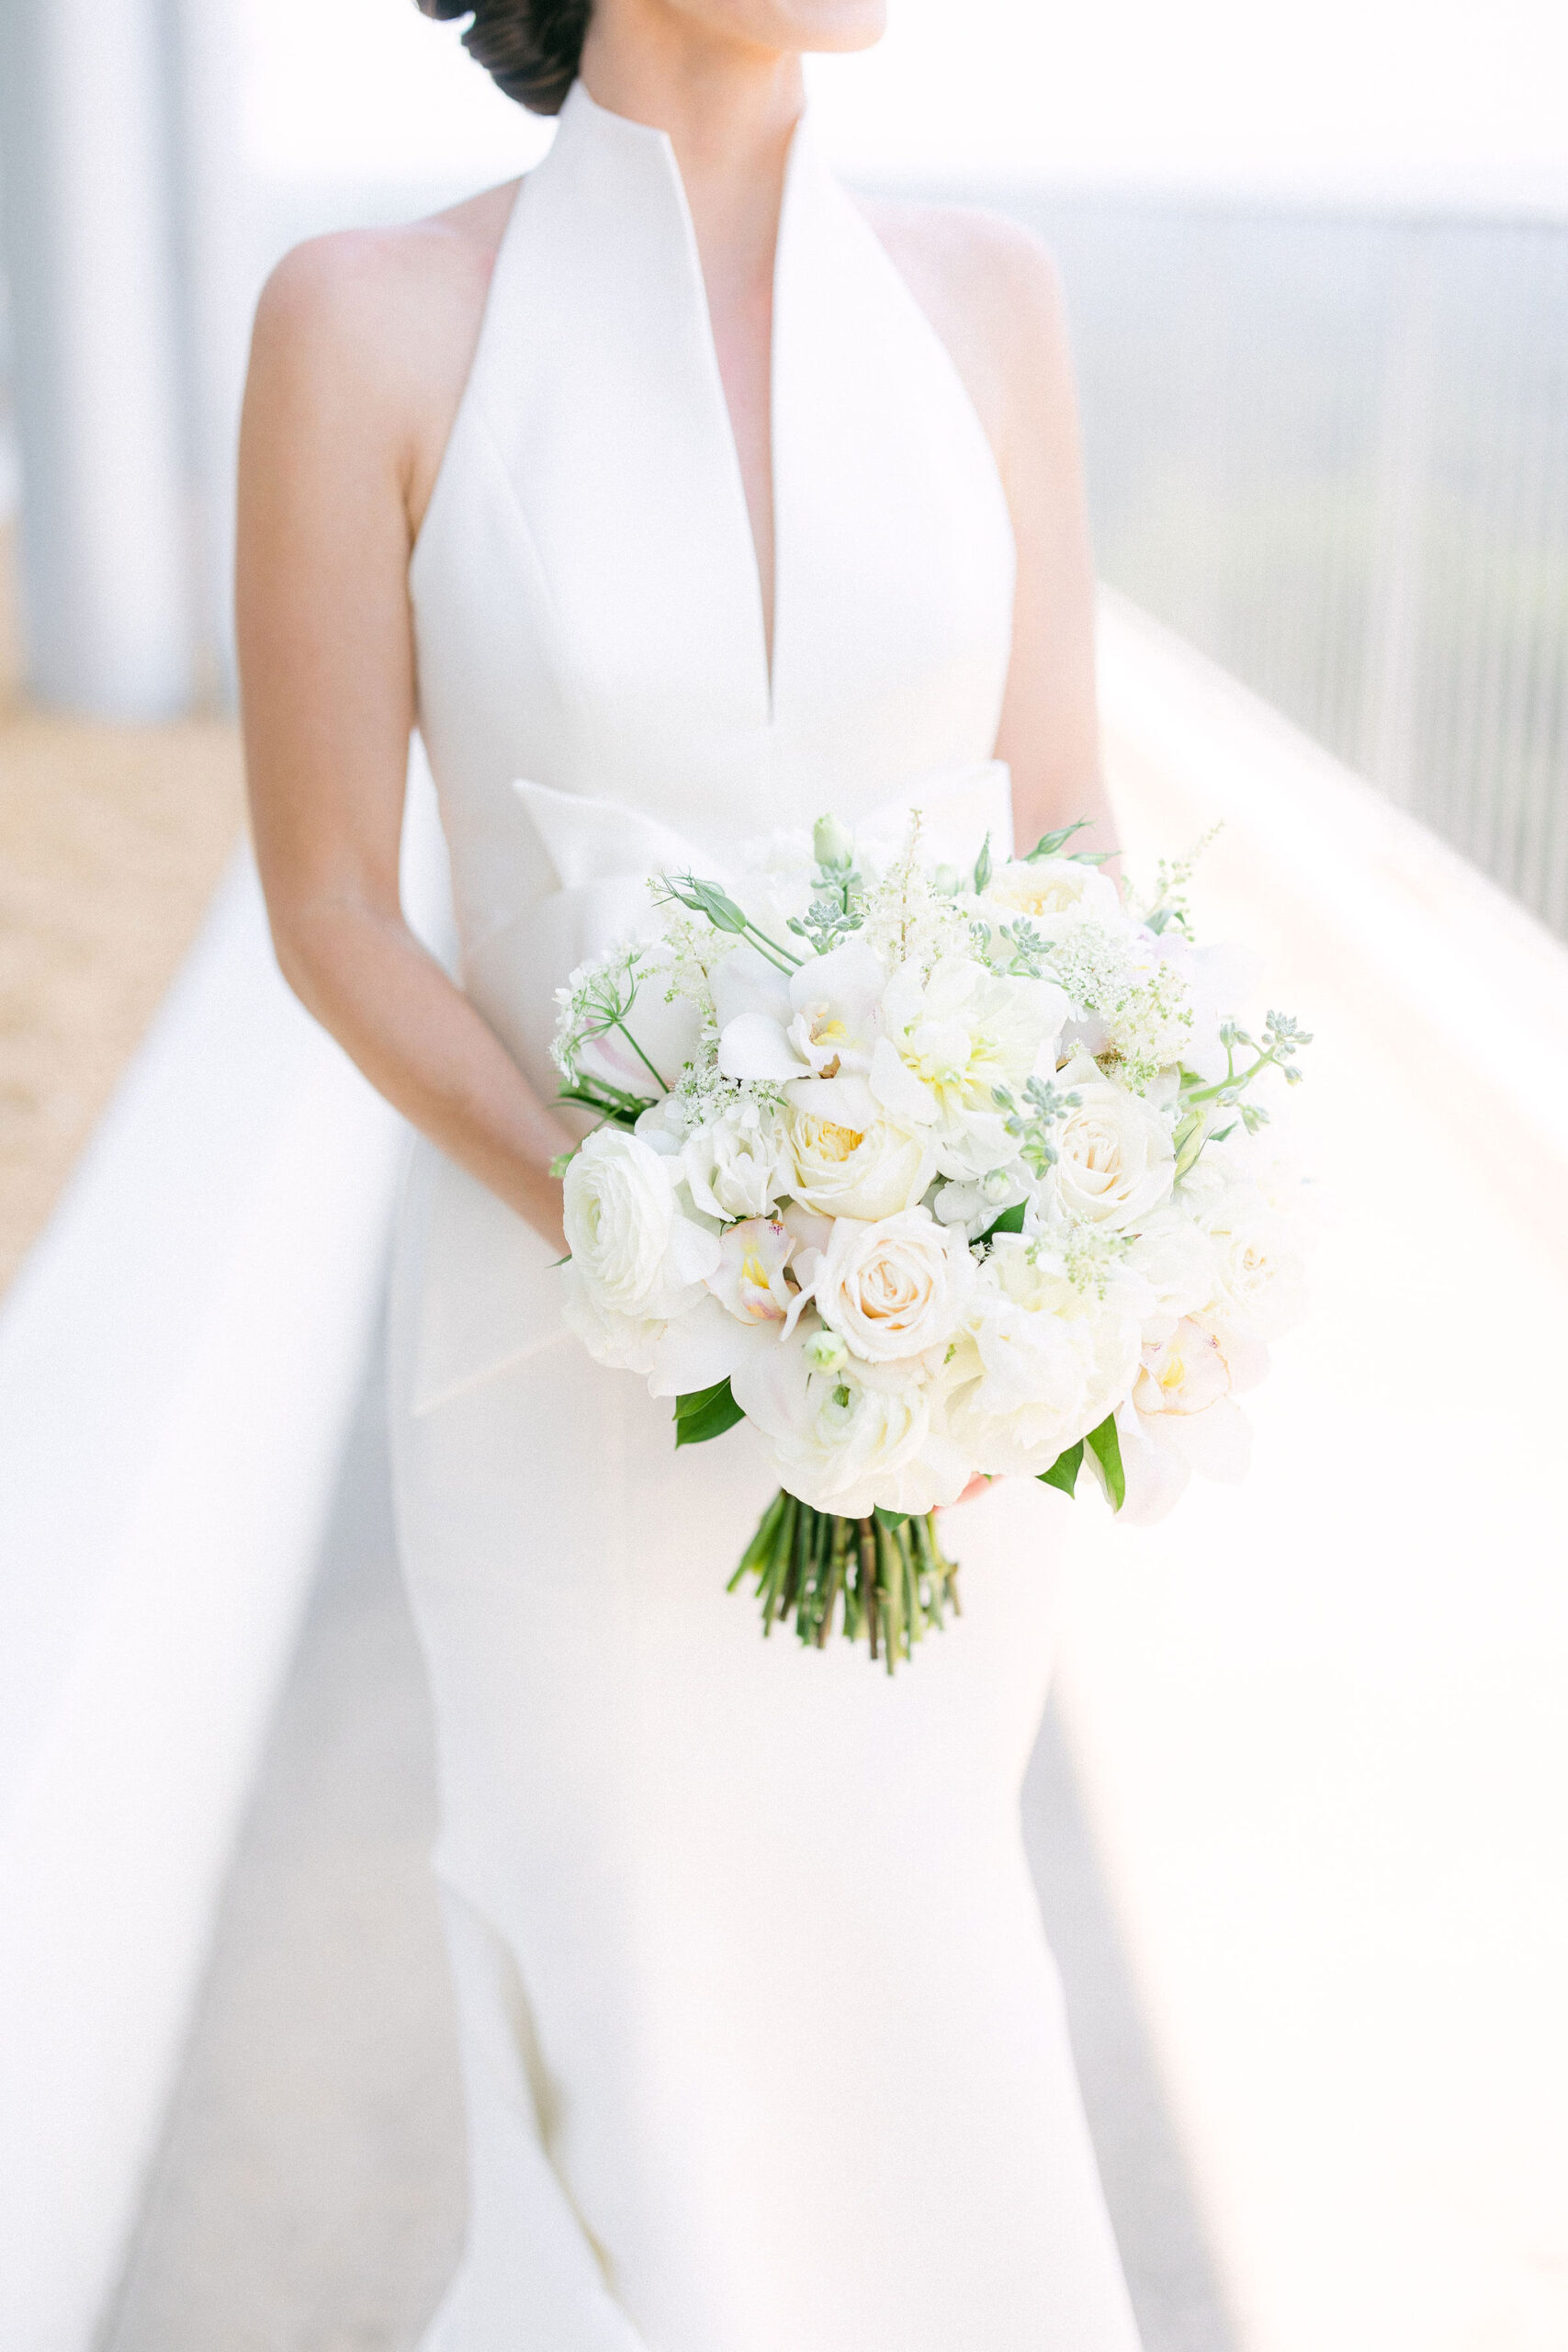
(532, 48)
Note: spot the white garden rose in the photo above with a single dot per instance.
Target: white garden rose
(1115, 1161)
(896, 1288)
(736, 1165)
(633, 1251)
(850, 1172)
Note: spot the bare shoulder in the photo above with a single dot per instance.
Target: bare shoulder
(991, 289)
(381, 323)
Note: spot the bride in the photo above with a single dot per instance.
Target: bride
(678, 480)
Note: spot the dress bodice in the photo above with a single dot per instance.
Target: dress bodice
(587, 608)
(588, 615)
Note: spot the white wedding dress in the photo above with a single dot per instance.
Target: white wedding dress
(763, 2048)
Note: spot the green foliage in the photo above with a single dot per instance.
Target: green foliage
(705, 1413)
(1064, 1471)
(1106, 1447)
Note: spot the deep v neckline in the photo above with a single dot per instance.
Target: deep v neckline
(765, 605)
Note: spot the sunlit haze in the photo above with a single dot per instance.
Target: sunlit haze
(1432, 99)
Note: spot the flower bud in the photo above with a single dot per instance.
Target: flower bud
(825, 1351)
(832, 843)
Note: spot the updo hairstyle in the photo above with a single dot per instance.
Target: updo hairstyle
(531, 48)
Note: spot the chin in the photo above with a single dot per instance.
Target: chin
(818, 27)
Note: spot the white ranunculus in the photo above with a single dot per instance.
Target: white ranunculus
(634, 1253)
(736, 1165)
(1115, 1161)
(894, 1287)
(952, 1037)
(850, 1438)
(1048, 887)
(622, 1342)
(1039, 1363)
(851, 1172)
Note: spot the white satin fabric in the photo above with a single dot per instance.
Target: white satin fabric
(764, 2051)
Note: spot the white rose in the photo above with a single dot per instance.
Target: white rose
(1115, 1161)
(896, 1288)
(1052, 887)
(735, 1165)
(1039, 1362)
(634, 1252)
(850, 1172)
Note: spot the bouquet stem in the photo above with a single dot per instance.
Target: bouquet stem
(885, 1580)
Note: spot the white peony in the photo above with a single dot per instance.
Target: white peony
(896, 1288)
(1115, 1161)
(634, 1252)
(952, 1038)
(851, 1172)
(736, 1165)
(1040, 1362)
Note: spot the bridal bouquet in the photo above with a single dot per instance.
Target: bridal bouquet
(928, 1174)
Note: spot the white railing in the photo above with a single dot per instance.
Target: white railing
(1331, 450)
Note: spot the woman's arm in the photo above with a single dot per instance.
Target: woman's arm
(346, 416)
(1050, 726)
(991, 292)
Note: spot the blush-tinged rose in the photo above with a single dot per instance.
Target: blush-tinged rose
(896, 1288)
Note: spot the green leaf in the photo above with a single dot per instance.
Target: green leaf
(1064, 1471)
(1106, 1447)
(983, 866)
(705, 1413)
(892, 1518)
(1010, 1221)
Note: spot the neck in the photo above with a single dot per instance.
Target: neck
(729, 105)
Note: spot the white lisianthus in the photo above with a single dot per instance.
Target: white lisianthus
(1040, 1362)
(952, 1038)
(894, 1288)
(736, 1165)
(852, 1438)
(852, 1172)
(1115, 1161)
(634, 1252)
(1046, 888)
